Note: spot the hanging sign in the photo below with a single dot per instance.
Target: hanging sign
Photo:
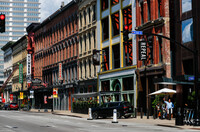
(55, 92)
(142, 50)
(60, 71)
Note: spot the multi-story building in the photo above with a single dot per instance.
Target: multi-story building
(56, 53)
(7, 69)
(87, 43)
(153, 16)
(187, 32)
(19, 83)
(116, 77)
(19, 14)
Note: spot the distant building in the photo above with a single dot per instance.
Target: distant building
(19, 14)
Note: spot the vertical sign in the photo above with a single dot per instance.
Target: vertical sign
(31, 94)
(21, 95)
(28, 61)
(60, 71)
(20, 73)
(142, 50)
(55, 93)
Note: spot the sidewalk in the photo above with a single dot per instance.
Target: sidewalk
(144, 120)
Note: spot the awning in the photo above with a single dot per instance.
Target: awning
(85, 95)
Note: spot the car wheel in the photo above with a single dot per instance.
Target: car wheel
(118, 115)
(127, 116)
(94, 115)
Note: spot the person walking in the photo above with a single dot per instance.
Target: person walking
(169, 106)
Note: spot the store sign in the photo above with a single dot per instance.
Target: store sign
(28, 75)
(55, 92)
(31, 94)
(20, 73)
(21, 95)
(60, 71)
(142, 50)
(36, 82)
(11, 97)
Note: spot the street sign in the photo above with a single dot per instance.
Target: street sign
(137, 32)
(191, 78)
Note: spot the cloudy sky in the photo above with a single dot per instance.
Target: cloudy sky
(48, 7)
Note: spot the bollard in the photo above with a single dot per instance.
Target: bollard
(135, 112)
(114, 116)
(90, 114)
(147, 113)
(170, 114)
(141, 113)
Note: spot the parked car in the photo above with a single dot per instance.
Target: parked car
(13, 106)
(124, 109)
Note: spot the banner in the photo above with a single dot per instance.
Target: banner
(20, 73)
(55, 92)
(21, 95)
(28, 65)
(60, 71)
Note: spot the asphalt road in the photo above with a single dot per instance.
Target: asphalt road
(15, 121)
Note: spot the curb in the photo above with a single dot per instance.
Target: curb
(54, 113)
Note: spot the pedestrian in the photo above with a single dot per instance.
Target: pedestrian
(169, 106)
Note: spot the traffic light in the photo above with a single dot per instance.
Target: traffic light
(2, 23)
(125, 34)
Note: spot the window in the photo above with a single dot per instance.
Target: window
(89, 14)
(160, 50)
(89, 68)
(80, 19)
(105, 59)
(115, 24)
(114, 2)
(116, 56)
(105, 29)
(85, 42)
(85, 66)
(94, 13)
(187, 30)
(94, 36)
(149, 9)
(84, 13)
(81, 73)
(89, 37)
(160, 12)
(105, 85)
(104, 4)
(142, 12)
(128, 54)
(186, 5)
(81, 44)
(127, 17)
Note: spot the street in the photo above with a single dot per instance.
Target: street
(18, 121)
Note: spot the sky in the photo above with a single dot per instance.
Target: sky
(48, 7)
(186, 5)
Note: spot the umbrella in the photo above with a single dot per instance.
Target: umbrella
(163, 91)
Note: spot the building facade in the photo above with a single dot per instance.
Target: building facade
(87, 43)
(19, 83)
(186, 32)
(56, 54)
(153, 16)
(7, 69)
(19, 14)
(116, 74)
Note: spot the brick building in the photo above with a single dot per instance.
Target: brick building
(153, 16)
(56, 45)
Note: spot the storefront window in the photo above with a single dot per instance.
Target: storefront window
(105, 85)
(187, 30)
(186, 5)
(127, 83)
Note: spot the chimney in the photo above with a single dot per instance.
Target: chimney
(62, 4)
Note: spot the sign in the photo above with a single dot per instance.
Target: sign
(3, 100)
(191, 78)
(142, 50)
(36, 82)
(45, 99)
(28, 62)
(20, 73)
(137, 32)
(60, 71)
(55, 92)
(11, 97)
(31, 94)
(21, 95)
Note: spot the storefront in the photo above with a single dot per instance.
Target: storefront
(118, 86)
